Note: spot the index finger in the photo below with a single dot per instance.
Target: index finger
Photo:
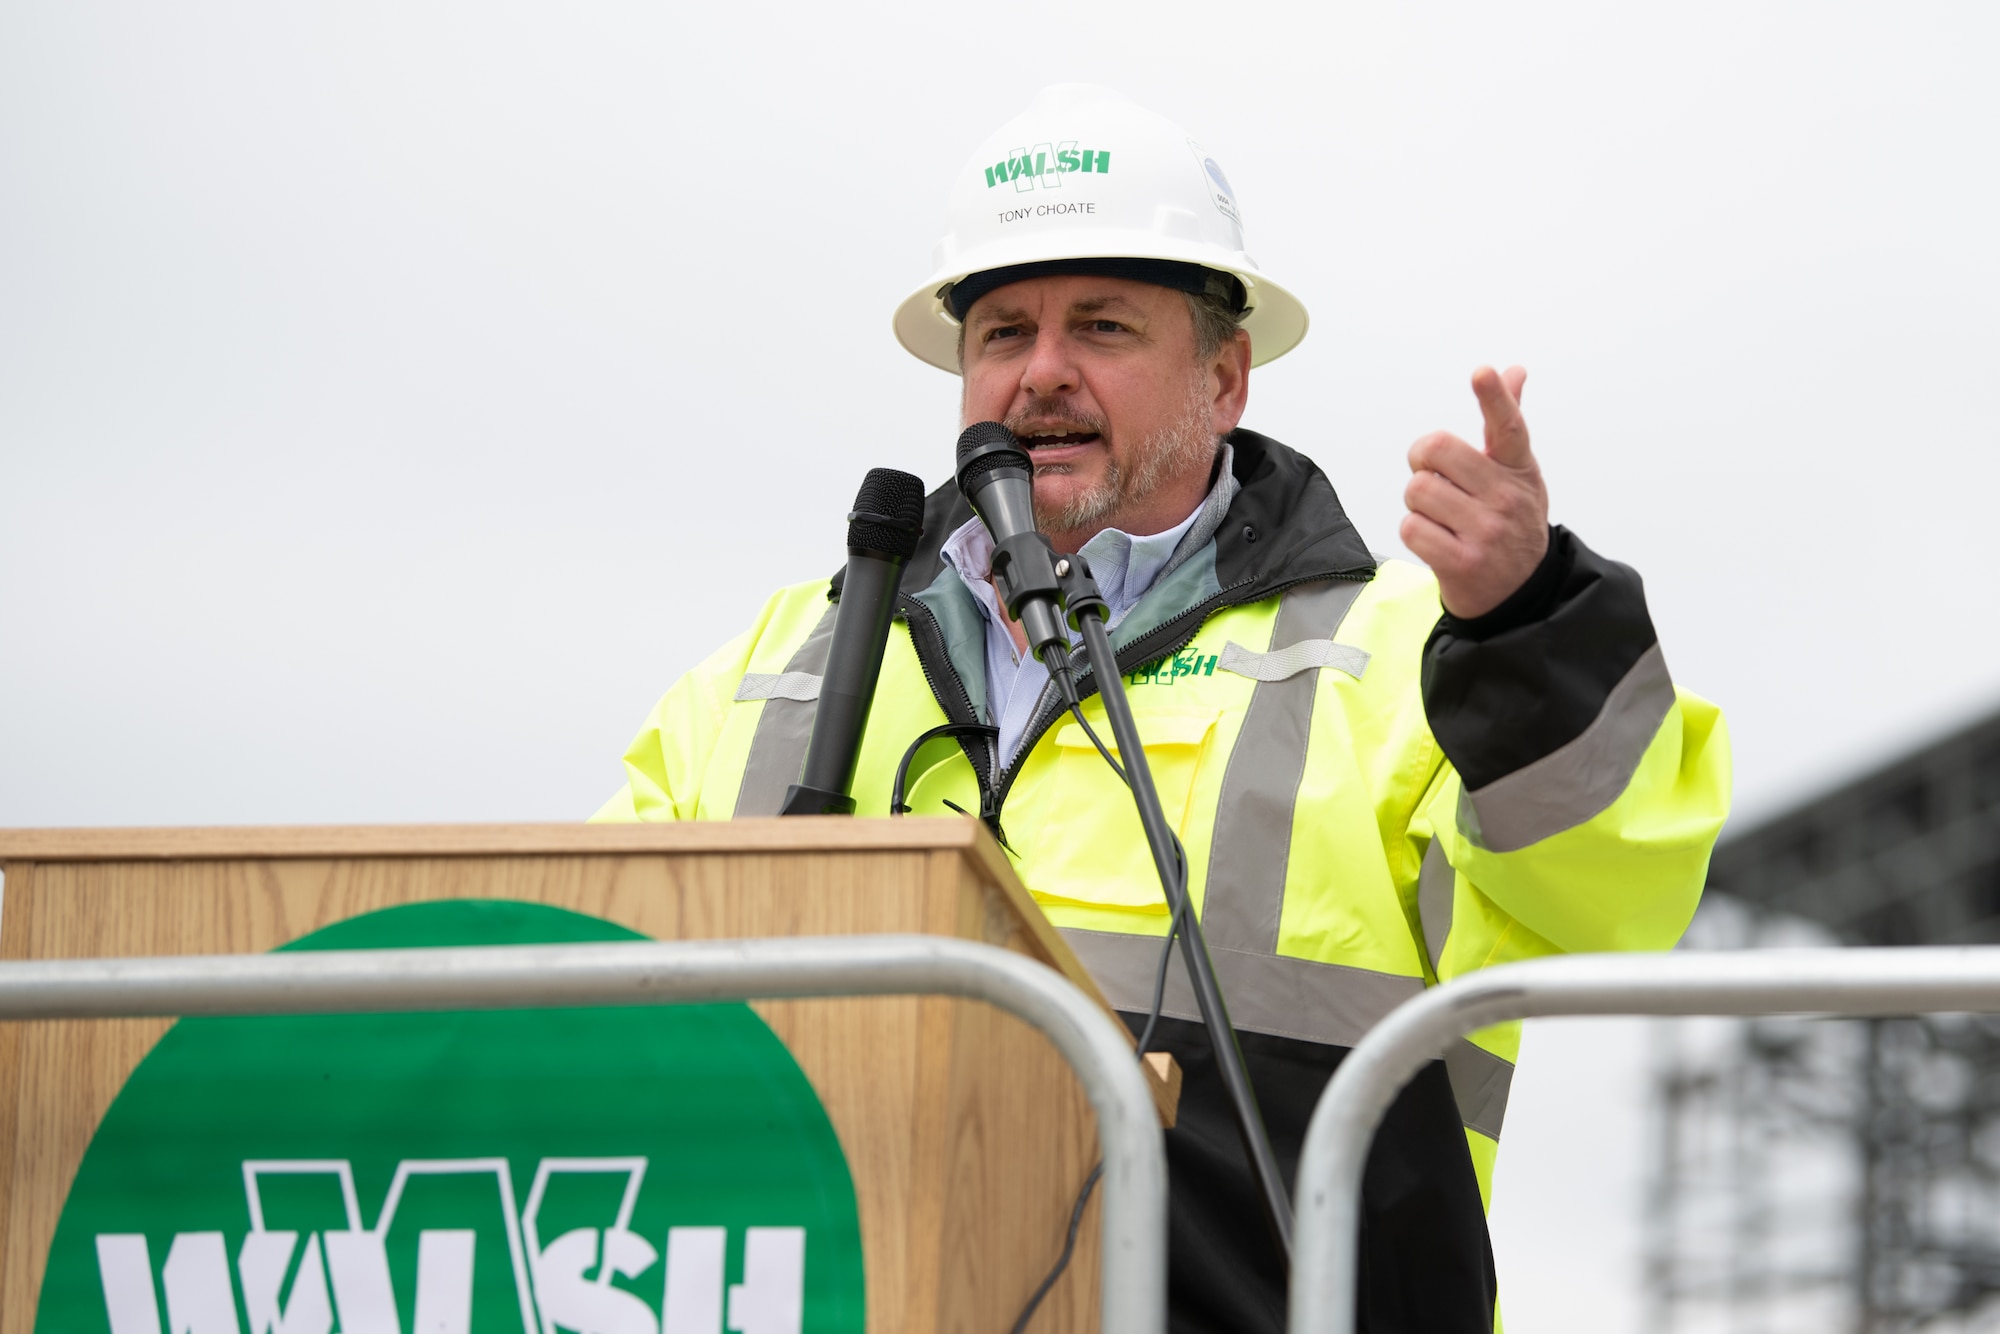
(1500, 403)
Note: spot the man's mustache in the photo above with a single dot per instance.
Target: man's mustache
(1042, 414)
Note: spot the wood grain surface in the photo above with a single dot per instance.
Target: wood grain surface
(966, 1133)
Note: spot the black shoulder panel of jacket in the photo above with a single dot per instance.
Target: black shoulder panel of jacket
(1505, 689)
(1426, 1263)
(945, 512)
(1286, 523)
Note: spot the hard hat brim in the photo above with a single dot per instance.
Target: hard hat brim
(1276, 320)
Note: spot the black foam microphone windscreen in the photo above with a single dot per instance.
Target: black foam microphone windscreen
(888, 515)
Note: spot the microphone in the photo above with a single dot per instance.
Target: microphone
(882, 535)
(998, 480)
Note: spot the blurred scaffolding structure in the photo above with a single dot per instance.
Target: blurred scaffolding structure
(1839, 1176)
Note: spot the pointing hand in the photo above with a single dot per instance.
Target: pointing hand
(1479, 518)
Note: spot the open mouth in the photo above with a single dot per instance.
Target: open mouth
(1059, 440)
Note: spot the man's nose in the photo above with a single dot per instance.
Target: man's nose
(1051, 369)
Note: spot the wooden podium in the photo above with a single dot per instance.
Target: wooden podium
(966, 1135)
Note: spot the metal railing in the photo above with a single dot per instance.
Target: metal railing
(1134, 1226)
(1843, 983)
(1829, 982)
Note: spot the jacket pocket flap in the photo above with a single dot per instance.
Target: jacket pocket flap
(1179, 728)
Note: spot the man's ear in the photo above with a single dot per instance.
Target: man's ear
(1229, 372)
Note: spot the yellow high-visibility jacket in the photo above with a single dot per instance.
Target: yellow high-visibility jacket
(1373, 797)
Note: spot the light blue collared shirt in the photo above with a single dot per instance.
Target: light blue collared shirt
(1124, 567)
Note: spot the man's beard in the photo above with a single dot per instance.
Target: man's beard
(1180, 446)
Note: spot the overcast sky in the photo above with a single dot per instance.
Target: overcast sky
(394, 398)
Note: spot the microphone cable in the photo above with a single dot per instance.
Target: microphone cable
(1068, 1250)
(897, 805)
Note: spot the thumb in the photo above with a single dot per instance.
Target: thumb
(1500, 403)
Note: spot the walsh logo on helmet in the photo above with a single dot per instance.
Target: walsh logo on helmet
(629, 1170)
(1046, 164)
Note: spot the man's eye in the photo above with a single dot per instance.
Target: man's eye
(1004, 331)
(1106, 326)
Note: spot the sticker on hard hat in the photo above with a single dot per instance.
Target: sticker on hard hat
(1046, 164)
(1219, 192)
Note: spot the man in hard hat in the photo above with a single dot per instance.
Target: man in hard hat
(1384, 776)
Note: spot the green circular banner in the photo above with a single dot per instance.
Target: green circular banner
(657, 1169)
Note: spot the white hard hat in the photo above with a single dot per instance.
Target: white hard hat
(1085, 174)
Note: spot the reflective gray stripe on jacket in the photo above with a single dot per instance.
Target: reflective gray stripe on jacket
(1579, 780)
(1479, 1080)
(778, 748)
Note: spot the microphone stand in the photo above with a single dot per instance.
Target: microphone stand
(1086, 608)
